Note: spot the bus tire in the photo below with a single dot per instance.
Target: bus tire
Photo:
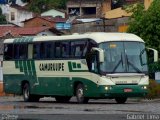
(80, 94)
(26, 93)
(121, 100)
(27, 96)
(62, 99)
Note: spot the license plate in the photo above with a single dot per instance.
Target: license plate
(127, 90)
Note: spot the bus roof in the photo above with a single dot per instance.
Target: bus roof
(96, 36)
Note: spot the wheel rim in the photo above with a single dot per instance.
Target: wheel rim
(26, 93)
(80, 93)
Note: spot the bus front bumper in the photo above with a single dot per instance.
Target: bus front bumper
(123, 91)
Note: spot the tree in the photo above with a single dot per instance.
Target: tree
(2, 18)
(146, 24)
(40, 6)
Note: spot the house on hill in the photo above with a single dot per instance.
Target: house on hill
(16, 14)
(54, 13)
(118, 18)
(14, 31)
(88, 8)
(41, 21)
(49, 21)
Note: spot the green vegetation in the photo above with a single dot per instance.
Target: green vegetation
(2, 18)
(145, 23)
(155, 67)
(154, 90)
(40, 6)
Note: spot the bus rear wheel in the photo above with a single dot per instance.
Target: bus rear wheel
(62, 99)
(80, 94)
(121, 100)
(27, 96)
(26, 92)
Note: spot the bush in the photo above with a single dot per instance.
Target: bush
(155, 67)
(154, 90)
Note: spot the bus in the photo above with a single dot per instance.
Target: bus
(89, 66)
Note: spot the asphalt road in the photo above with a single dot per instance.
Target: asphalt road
(49, 109)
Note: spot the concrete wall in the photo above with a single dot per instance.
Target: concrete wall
(111, 25)
(147, 3)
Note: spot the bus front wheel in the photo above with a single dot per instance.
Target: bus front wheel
(121, 100)
(80, 94)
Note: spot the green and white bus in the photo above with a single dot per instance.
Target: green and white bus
(88, 66)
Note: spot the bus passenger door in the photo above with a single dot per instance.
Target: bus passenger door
(94, 63)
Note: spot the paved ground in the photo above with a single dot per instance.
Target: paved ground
(47, 108)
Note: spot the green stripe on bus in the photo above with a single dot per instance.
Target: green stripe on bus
(23, 39)
(16, 64)
(25, 67)
(15, 40)
(72, 65)
(21, 66)
(33, 67)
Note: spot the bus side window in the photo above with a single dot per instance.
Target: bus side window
(36, 51)
(57, 50)
(78, 51)
(42, 51)
(77, 48)
(65, 49)
(22, 51)
(49, 49)
(8, 52)
(16, 51)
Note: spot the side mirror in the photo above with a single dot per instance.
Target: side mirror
(100, 55)
(143, 61)
(153, 54)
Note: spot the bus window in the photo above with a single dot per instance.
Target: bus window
(22, 51)
(36, 51)
(8, 51)
(16, 51)
(65, 49)
(77, 48)
(49, 49)
(46, 50)
(42, 51)
(57, 50)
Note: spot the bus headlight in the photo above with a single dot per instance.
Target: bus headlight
(144, 87)
(106, 88)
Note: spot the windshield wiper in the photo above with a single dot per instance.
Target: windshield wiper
(121, 60)
(133, 66)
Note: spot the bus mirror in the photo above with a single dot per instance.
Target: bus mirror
(100, 55)
(143, 61)
(152, 55)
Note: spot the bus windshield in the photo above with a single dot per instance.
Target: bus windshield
(123, 57)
